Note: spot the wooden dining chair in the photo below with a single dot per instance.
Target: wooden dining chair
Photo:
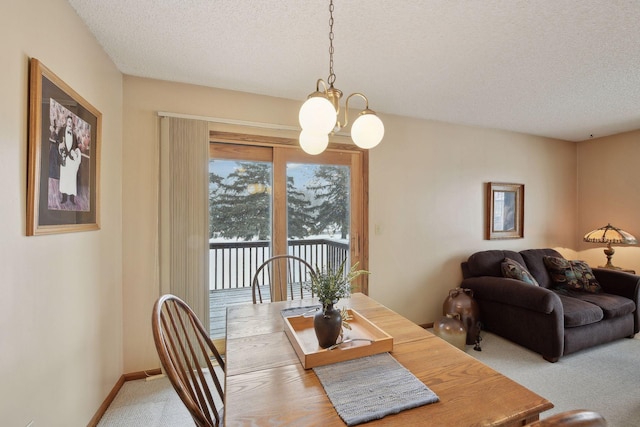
(186, 353)
(284, 274)
(573, 418)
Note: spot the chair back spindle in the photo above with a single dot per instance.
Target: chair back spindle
(281, 272)
(185, 352)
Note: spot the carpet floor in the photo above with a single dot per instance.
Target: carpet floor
(605, 379)
(148, 403)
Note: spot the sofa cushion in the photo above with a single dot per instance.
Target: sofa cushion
(578, 312)
(611, 305)
(488, 263)
(535, 264)
(514, 270)
(571, 275)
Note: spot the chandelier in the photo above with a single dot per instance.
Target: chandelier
(320, 114)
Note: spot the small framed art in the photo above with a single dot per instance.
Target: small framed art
(63, 182)
(505, 211)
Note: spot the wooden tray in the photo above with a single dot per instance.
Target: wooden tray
(300, 331)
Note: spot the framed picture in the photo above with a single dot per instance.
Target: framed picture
(63, 182)
(505, 211)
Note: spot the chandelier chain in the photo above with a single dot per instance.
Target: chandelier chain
(332, 76)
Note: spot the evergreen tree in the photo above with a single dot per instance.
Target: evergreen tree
(241, 204)
(215, 181)
(331, 188)
(300, 220)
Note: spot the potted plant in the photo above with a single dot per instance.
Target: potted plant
(331, 285)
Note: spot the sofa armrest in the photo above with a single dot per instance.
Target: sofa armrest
(624, 284)
(513, 292)
(619, 283)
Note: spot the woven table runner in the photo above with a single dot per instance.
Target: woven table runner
(372, 387)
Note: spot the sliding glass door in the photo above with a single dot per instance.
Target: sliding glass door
(272, 200)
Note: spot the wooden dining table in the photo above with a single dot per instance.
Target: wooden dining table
(265, 383)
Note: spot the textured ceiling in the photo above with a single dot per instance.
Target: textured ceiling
(565, 69)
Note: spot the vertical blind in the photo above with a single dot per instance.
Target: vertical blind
(184, 212)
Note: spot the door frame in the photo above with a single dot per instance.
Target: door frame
(282, 150)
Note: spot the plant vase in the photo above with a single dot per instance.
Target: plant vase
(327, 325)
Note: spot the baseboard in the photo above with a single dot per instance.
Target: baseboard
(116, 388)
(142, 374)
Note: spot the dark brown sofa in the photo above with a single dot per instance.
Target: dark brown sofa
(543, 319)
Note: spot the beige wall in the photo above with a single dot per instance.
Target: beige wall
(61, 295)
(426, 198)
(143, 99)
(69, 329)
(609, 192)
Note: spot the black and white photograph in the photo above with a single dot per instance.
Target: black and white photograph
(64, 138)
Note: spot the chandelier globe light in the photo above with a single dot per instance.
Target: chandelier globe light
(314, 142)
(367, 130)
(319, 116)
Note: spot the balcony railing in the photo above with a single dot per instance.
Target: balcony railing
(232, 264)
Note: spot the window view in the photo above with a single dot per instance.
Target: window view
(240, 200)
(241, 196)
(318, 213)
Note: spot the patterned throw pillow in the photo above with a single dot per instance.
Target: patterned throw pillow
(571, 275)
(512, 269)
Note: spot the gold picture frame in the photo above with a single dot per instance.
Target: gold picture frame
(505, 211)
(63, 181)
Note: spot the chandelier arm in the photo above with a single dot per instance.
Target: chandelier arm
(346, 107)
(324, 84)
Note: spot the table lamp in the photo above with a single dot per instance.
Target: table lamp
(610, 234)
